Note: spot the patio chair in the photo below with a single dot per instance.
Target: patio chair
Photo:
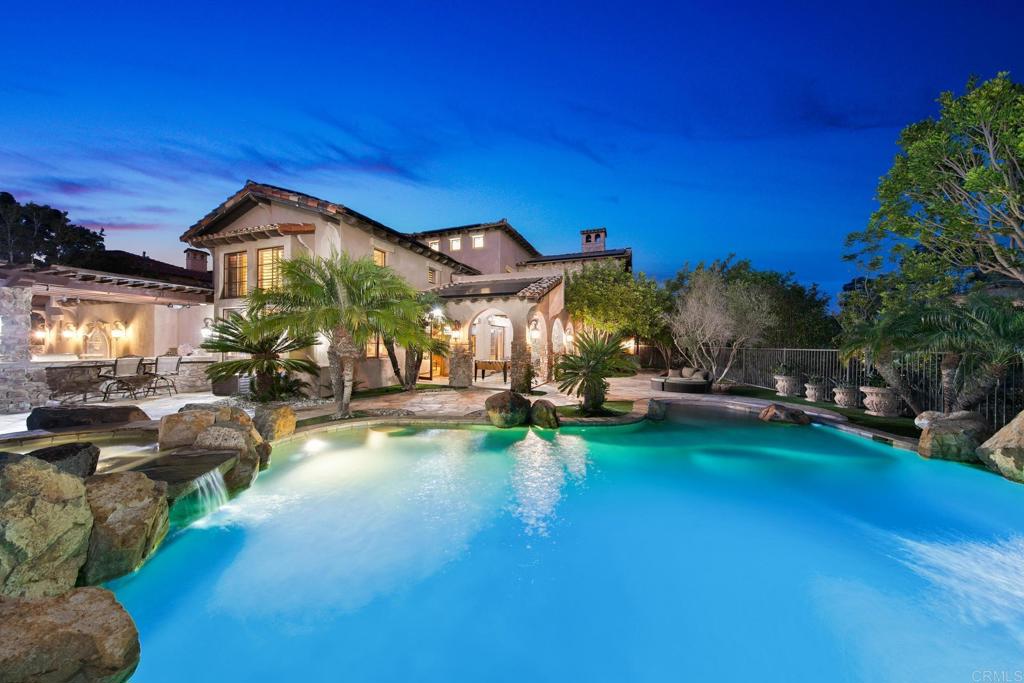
(164, 374)
(127, 378)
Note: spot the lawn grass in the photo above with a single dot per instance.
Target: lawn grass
(901, 426)
(610, 409)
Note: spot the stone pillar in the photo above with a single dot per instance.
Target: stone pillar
(521, 368)
(22, 384)
(460, 366)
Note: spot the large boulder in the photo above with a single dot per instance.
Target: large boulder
(220, 412)
(656, 410)
(130, 519)
(79, 459)
(777, 412)
(507, 409)
(543, 415)
(44, 528)
(181, 429)
(57, 417)
(230, 436)
(275, 422)
(951, 437)
(1004, 452)
(82, 636)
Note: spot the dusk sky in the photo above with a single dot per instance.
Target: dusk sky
(689, 130)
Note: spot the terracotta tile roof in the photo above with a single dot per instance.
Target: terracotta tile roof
(253, 192)
(580, 256)
(523, 288)
(117, 262)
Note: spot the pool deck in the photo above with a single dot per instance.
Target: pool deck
(439, 406)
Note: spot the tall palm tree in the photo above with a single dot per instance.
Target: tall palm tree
(585, 372)
(345, 300)
(264, 347)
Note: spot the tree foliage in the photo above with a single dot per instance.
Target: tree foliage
(802, 317)
(955, 191)
(607, 298)
(39, 232)
(346, 300)
(713, 313)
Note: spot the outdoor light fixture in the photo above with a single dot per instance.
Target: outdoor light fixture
(207, 328)
(40, 334)
(118, 330)
(69, 331)
(436, 312)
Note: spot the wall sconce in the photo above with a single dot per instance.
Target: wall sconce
(436, 312)
(207, 329)
(118, 330)
(39, 334)
(69, 331)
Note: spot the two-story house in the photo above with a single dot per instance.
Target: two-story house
(505, 296)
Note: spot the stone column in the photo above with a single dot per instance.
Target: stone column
(22, 384)
(521, 367)
(460, 366)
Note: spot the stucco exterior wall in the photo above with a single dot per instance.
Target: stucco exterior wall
(500, 253)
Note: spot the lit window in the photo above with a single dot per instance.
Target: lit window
(478, 241)
(373, 346)
(380, 257)
(435, 245)
(431, 276)
(455, 243)
(236, 268)
(268, 267)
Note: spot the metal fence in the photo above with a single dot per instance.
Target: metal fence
(756, 367)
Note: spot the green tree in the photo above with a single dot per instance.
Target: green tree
(347, 301)
(955, 191)
(585, 372)
(802, 315)
(39, 232)
(266, 350)
(607, 298)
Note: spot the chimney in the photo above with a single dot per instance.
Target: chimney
(593, 239)
(195, 259)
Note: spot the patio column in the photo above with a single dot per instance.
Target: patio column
(22, 384)
(520, 361)
(460, 366)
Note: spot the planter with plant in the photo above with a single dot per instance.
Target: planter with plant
(847, 394)
(880, 399)
(271, 371)
(817, 389)
(788, 380)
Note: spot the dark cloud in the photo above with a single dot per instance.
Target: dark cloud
(71, 187)
(118, 226)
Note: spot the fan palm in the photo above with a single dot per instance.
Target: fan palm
(980, 337)
(585, 372)
(347, 301)
(264, 347)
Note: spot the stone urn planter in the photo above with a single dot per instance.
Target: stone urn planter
(881, 402)
(788, 385)
(816, 392)
(846, 397)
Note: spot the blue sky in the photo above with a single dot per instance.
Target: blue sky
(689, 130)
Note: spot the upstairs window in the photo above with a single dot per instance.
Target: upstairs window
(380, 257)
(236, 267)
(431, 276)
(268, 267)
(455, 244)
(435, 245)
(478, 241)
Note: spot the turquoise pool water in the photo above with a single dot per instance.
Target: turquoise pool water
(697, 550)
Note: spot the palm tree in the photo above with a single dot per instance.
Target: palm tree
(879, 343)
(419, 341)
(980, 338)
(346, 300)
(264, 348)
(585, 373)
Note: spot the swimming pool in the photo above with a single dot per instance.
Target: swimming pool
(696, 549)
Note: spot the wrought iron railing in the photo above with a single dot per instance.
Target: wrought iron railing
(757, 366)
